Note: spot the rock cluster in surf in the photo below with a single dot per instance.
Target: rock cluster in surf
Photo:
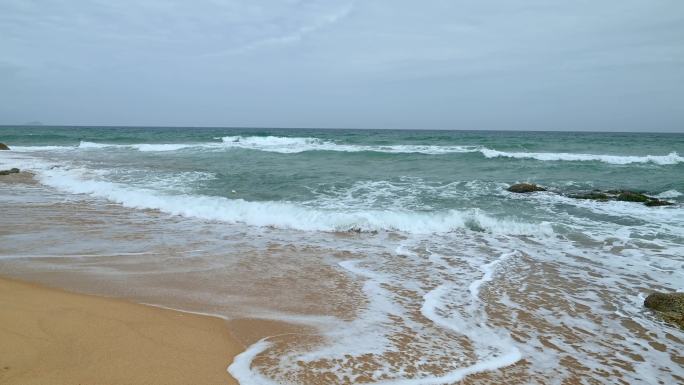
(10, 171)
(669, 306)
(3, 146)
(525, 188)
(622, 196)
(597, 195)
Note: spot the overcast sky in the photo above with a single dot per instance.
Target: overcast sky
(613, 65)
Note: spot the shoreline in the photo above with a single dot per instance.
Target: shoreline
(51, 336)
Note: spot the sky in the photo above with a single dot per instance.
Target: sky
(600, 65)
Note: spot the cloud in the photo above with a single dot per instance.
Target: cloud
(289, 37)
(379, 63)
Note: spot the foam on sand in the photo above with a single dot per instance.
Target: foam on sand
(241, 369)
(370, 334)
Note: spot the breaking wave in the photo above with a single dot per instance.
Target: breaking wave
(282, 214)
(297, 145)
(294, 145)
(671, 158)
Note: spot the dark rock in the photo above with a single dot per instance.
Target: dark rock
(669, 306)
(10, 171)
(525, 188)
(653, 202)
(630, 196)
(599, 196)
(621, 195)
(3, 146)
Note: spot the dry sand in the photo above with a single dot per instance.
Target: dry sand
(48, 336)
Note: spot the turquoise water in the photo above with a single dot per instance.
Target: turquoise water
(269, 172)
(414, 232)
(348, 172)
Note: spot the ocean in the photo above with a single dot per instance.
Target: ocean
(399, 257)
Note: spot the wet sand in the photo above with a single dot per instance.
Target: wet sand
(54, 337)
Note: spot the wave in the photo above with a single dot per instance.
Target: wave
(293, 145)
(41, 148)
(671, 158)
(282, 214)
(144, 147)
(297, 145)
(669, 194)
(85, 145)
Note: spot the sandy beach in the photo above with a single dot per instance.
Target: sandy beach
(51, 336)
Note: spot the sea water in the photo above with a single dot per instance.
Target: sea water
(400, 252)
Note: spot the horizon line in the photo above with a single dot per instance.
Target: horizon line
(42, 125)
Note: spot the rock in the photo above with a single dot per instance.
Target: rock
(621, 195)
(653, 202)
(669, 306)
(3, 146)
(599, 196)
(10, 171)
(665, 302)
(525, 188)
(630, 196)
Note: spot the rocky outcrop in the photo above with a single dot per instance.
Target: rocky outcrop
(10, 171)
(652, 202)
(669, 306)
(525, 188)
(3, 146)
(622, 196)
(631, 196)
(595, 195)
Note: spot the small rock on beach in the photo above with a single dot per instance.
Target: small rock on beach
(669, 306)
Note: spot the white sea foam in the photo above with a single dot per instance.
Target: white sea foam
(42, 148)
(671, 158)
(241, 370)
(669, 194)
(144, 147)
(495, 348)
(272, 140)
(296, 145)
(368, 333)
(488, 269)
(85, 144)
